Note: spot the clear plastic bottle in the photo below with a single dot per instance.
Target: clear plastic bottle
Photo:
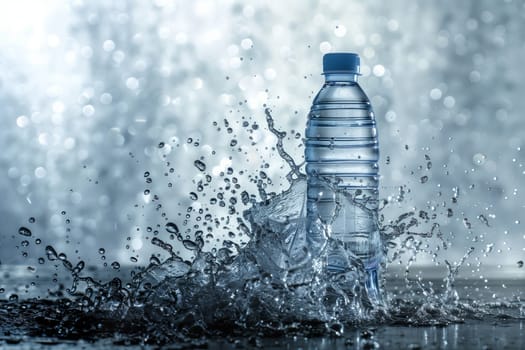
(342, 156)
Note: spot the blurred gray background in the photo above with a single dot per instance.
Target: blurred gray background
(88, 90)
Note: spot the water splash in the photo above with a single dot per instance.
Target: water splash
(274, 284)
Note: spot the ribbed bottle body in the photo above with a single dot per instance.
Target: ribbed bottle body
(342, 156)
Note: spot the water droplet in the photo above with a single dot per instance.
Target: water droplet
(80, 266)
(520, 263)
(115, 265)
(455, 196)
(483, 219)
(190, 245)
(161, 145)
(24, 231)
(423, 179)
(31, 220)
(200, 165)
(51, 253)
(24, 243)
(367, 334)
(146, 174)
(172, 228)
(133, 259)
(41, 261)
(154, 260)
(193, 196)
(101, 251)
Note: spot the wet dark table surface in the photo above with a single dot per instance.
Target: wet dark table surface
(501, 334)
(496, 331)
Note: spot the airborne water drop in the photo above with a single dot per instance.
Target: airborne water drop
(24, 231)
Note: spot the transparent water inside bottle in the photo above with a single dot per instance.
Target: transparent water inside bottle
(342, 195)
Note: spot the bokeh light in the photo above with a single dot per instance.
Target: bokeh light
(88, 90)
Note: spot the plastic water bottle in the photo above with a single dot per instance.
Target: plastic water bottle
(342, 156)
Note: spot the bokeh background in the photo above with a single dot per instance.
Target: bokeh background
(94, 94)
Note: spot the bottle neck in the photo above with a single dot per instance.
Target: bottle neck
(342, 77)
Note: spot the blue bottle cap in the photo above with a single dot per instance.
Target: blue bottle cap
(341, 62)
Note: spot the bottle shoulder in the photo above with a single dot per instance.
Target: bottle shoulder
(336, 92)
